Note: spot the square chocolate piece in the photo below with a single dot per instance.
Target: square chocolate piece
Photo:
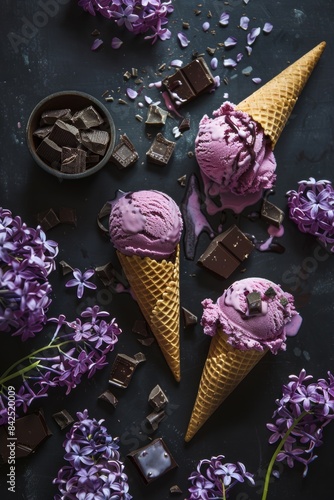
(156, 116)
(161, 150)
(63, 419)
(153, 460)
(124, 153)
(272, 214)
(122, 370)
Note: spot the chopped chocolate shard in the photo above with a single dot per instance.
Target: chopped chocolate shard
(155, 418)
(50, 152)
(31, 431)
(270, 292)
(271, 213)
(106, 273)
(49, 220)
(182, 180)
(226, 252)
(63, 418)
(284, 301)
(139, 357)
(68, 216)
(156, 116)
(65, 267)
(161, 150)
(146, 342)
(175, 490)
(140, 327)
(73, 160)
(65, 134)
(184, 125)
(254, 303)
(109, 398)
(42, 132)
(189, 319)
(50, 117)
(87, 118)
(190, 81)
(157, 398)
(122, 370)
(153, 460)
(95, 140)
(124, 153)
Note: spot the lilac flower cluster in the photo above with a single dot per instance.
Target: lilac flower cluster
(77, 348)
(304, 409)
(312, 209)
(26, 260)
(95, 471)
(138, 16)
(214, 479)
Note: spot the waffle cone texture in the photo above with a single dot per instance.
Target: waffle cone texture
(224, 369)
(156, 286)
(272, 104)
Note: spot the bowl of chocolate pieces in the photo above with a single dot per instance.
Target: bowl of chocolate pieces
(70, 134)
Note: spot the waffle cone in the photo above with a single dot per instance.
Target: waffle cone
(224, 369)
(155, 285)
(272, 104)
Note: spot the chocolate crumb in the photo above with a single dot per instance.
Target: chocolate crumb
(175, 490)
(63, 418)
(270, 292)
(189, 319)
(182, 180)
(284, 301)
(254, 303)
(109, 398)
(65, 268)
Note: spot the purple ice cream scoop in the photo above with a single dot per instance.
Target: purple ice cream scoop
(146, 223)
(254, 313)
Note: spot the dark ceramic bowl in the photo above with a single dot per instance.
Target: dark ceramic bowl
(76, 101)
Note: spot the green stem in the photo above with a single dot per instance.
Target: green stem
(224, 491)
(278, 449)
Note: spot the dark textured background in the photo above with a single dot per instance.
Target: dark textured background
(56, 57)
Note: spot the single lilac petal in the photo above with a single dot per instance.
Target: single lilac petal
(176, 63)
(244, 22)
(256, 80)
(231, 41)
(229, 63)
(267, 28)
(224, 19)
(217, 81)
(214, 63)
(239, 57)
(206, 26)
(183, 39)
(246, 2)
(116, 43)
(148, 99)
(96, 44)
(252, 36)
(131, 93)
(249, 50)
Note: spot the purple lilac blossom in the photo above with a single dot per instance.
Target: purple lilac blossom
(77, 348)
(309, 406)
(94, 469)
(26, 260)
(311, 207)
(81, 281)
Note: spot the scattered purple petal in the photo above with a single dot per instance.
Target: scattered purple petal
(214, 63)
(246, 2)
(244, 21)
(148, 99)
(225, 95)
(256, 80)
(156, 85)
(217, 81)
(140, 105)
(224, 19)
(206, 26)
(252, 36)
(267, 28)
(239, 57)
(249, 50)
(132, 94)
(231, 41)
(116, 43)
(176, 63)
(96, 44)
(183, 39)
(230, 63)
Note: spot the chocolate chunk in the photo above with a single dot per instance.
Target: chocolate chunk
(49, 220)
(50, 117)
(87, 118)
(184, 125)
(68, 216)
(31, 431)
(156, 115)
(50, 152)
(254, 303)
(155, 418)
(124, 153)
(64, 134)
(226, 252)
(109, 397)
(182, 180)
(189, 318)
(157, 398)
(146, 342)
(284, 301)
(139, 357)
(189, 82)
(73, 160)
(95, 140)
(63, 418)
(42, 132)
(175, 490)
(161, 150)
(122, 370)
(66, 268)
(272, 214)
(270, 292)
(140, 327)
(153, 460)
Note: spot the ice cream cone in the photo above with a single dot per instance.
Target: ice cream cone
(272, 104)
(224, 369)
(155, 285)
